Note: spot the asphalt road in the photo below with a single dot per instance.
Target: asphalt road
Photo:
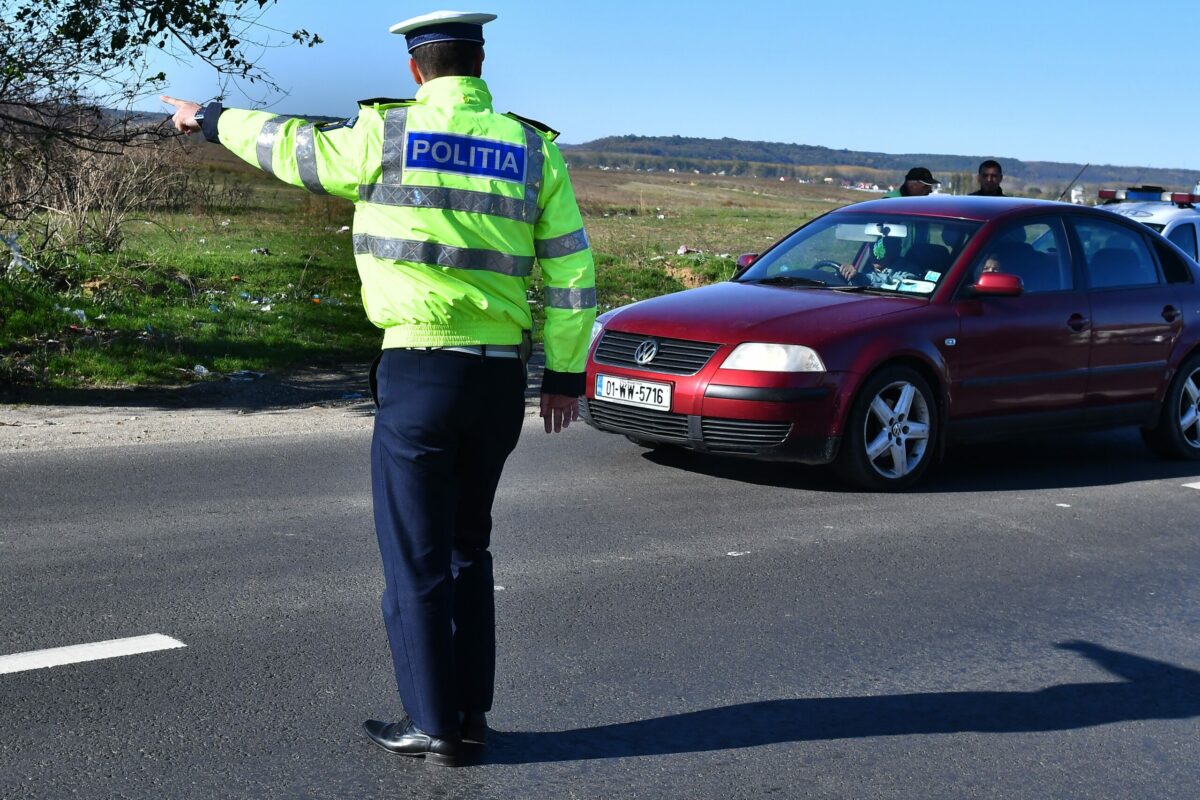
(1022, 626)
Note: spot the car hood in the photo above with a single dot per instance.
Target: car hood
(738, 312)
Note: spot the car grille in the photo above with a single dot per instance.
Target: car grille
(737, 434)
(675, 356)
(659, 424)
(730, 435)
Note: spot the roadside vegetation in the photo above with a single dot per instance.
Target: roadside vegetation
(108, 227)
(213, 271)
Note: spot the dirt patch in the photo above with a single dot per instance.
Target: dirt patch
(686, 276)
(316, 400)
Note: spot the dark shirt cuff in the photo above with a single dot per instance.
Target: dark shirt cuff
(570, 384)
(212, 113)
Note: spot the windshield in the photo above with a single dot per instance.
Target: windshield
(900, 254)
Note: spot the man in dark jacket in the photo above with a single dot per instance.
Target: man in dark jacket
(989, 178)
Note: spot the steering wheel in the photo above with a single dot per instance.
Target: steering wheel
(830, 265)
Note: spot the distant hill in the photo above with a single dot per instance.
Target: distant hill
(774, 159)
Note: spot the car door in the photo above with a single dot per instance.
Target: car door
(1136, 319)
(1023, 360)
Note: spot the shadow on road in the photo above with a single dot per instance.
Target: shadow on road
(1150, 690)
(1049, 462)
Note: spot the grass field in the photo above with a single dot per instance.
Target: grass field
(271, 285)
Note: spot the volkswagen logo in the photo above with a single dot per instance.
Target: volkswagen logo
(645, 352)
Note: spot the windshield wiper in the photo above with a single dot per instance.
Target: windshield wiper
(790, 280)
(855, 288)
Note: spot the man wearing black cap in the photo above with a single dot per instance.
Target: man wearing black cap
(917, 183)
(455, 203)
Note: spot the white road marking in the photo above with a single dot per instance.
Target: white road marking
(1063, 505)
(1192, 485)
(737, 553)
(94, 651)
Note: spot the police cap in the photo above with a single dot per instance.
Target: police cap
(443, 26)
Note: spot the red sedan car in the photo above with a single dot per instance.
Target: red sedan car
(881, 332)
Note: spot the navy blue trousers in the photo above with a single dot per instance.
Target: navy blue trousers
(446, 422)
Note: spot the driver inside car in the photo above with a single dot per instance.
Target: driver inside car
(881, 268)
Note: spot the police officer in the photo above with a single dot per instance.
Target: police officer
(454, 205)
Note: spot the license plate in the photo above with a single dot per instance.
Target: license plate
(634, 393)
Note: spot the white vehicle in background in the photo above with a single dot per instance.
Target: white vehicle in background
(1173, 214)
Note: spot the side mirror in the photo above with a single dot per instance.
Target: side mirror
(998, 284)
(743, 263)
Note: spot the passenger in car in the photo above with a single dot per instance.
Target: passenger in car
(1036, 270)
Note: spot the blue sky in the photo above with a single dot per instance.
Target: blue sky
(1057, 80)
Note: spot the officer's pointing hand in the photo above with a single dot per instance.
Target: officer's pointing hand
(185, 114)
(559, 411)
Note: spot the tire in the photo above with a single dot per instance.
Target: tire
(885, 450)
(1177, 434)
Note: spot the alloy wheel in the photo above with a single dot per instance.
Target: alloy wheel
(896, 430)
(1189, 409)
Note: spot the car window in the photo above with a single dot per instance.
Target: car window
(902, 253)
(823, 246)
(1174, 266)
(1035, 251)
(1114, 255)
(1185, 237)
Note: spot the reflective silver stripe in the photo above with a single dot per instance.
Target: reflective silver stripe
(442, 255)
(394, 124)
(306, 159)
(533, 171)
(448, 199)
(565, 245)
(574, 299)
(265, 146)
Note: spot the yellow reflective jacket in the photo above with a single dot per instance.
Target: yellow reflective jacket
(454, 203)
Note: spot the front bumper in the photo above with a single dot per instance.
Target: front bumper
(767, 441)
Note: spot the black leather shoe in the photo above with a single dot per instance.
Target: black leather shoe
(404, 738)
(475, 728)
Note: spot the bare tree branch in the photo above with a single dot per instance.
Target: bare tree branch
(69, 70)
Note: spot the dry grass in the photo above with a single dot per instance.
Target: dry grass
(186, 288)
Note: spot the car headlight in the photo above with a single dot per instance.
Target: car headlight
(766, 357)
(597, 329)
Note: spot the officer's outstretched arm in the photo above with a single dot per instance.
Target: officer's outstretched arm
(569, 274)
(323, 158)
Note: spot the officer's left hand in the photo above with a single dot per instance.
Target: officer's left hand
(185, 114)
(559, 411)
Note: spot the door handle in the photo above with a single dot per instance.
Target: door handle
(1077, 322)
(1170, 313)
